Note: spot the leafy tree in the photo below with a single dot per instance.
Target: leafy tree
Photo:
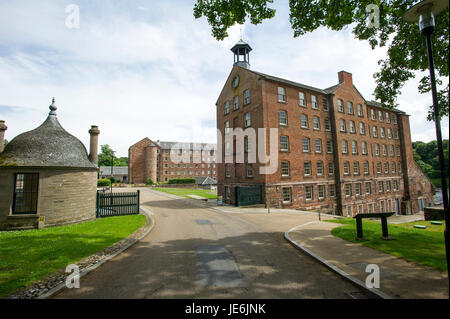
(406, 47)
(105, 157)
(425, 154)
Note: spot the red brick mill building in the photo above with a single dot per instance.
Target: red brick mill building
(337, 151)
(148, 159)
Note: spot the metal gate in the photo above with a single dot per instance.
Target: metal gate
(117, 204)
(248, 195)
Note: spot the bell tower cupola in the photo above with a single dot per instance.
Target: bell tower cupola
(241, 52)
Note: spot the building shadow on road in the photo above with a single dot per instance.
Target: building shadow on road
(267, 265)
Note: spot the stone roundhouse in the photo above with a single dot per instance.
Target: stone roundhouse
(47, 178)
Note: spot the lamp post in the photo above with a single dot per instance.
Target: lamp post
(112, 167)
(424, 12)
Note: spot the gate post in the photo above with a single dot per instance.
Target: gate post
(96, 205)
(138, 201)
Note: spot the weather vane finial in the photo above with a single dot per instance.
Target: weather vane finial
(53, 108)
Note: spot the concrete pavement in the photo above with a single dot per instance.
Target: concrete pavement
(197, 252)
(399, 278)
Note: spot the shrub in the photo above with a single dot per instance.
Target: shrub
(182, 181)
(104, 182)
(149, 182)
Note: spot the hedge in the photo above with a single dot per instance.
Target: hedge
(104, 182)
(182, 181)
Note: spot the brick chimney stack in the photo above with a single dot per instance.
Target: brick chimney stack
(3, 128)
(345, 77)
(93, 152)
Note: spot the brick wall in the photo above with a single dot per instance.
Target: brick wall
(147, 160)
(136, 162)
(387, 188)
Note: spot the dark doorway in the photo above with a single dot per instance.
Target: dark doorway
(25, 194)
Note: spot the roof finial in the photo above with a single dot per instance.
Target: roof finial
(240, 27)
(53, 108)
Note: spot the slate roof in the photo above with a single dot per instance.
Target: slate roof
(329, 90)
(241, 44)
(300, 85)
(189, 146)
(205, 180)
(117, 170)
(378, 104)
(49, 145)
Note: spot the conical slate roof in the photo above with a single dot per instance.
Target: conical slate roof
(241, 44)
(49, 145)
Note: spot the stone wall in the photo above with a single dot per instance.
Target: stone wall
(64, 196)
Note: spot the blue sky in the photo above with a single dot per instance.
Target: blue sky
(141, 68)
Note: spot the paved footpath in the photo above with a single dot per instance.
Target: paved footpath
(398, 277)
(198, 252)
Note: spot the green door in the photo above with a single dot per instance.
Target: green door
(248, 195)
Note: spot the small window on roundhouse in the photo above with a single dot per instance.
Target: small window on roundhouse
(25, 194)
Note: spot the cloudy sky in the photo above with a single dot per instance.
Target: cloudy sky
(147, 68)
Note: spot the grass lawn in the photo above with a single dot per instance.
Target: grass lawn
(184, 192)
(28, 256)
(424, 246)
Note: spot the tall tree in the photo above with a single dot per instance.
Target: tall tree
(106, 155)
(406, 47)
(425, 154)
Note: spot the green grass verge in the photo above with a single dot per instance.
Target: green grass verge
(437, 182)
(28, 256)
(424, 246)
(184, 192)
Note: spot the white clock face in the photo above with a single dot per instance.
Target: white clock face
(235, 81)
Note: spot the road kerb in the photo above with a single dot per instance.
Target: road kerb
(62, 285)
(334, 268)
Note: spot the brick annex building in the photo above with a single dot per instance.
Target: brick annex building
(337, 151)
(148, 159)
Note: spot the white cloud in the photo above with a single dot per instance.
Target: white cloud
(140, 68)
